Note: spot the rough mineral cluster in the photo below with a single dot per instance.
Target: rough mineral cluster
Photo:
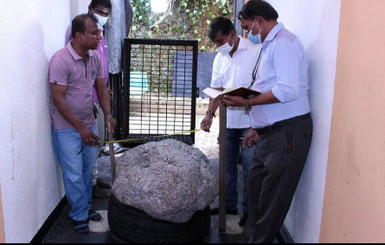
(169, 180)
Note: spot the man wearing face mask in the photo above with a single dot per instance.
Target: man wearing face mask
(101, 9)
(281, 120)
(232, 67)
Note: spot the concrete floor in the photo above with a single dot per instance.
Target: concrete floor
(62, 230)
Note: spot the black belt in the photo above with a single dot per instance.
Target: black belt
(266, 129)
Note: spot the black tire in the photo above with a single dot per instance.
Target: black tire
(134, 225)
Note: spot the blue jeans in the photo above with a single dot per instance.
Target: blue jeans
(76, 160)
(234, 137)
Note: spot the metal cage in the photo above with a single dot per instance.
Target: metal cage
(156, 99)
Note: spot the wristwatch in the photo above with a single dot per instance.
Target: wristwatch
(210, 112)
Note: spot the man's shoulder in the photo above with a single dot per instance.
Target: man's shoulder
(247, 50)
(246, 44)
(61, 54)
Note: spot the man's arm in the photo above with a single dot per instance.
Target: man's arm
(208, 119)
(261, 99)
(58, 92)
(104, 103)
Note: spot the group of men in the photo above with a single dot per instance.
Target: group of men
(274, 128)
(271, 131)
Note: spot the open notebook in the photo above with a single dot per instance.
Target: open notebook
(236, 91)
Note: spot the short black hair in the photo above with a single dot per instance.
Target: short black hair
(255, 8)
(104, 3)
(78, 23)
(219, 25)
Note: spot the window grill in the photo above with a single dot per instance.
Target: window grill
(158, 92)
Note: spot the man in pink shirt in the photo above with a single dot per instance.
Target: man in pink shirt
(73, 71)
(101, 9)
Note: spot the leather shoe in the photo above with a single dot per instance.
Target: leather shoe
(215, 211)
(243, 220)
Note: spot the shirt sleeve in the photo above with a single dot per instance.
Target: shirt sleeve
(286, 65)
(58, 72)
(216, 76)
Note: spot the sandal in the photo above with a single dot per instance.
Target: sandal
(94, 216)
(81, 226)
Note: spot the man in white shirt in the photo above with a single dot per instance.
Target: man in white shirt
(232, 67)
(281, 120)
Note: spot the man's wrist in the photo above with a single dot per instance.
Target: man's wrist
(210, 112)
(247, 106)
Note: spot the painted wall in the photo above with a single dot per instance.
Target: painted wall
(30, 178)
(2, 234)
(352, 210)
(355, 184)
(316, 24)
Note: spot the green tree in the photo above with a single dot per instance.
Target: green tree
(188, 19)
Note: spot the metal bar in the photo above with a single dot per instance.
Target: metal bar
(194, 87)
(171, 42)
(222, 169)
(154, 111)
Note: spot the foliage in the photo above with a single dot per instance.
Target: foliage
(189, 19)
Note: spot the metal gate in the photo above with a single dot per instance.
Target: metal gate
(156, 99)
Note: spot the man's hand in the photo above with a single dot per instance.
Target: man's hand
(110, 123)
(88, 137)
(206, 122)
(251, 137)
(230, 100)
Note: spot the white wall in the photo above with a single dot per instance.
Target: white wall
(30, 177)
(316, 23)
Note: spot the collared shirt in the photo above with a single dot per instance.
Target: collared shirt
(232, 72)
(283, 70)
(67, 68)
(102, 49)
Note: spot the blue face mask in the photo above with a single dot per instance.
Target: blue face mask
(101, 19)
(254, 39)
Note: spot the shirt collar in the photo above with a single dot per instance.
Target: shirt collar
(273, 32)
(242, 43)
(73, 53)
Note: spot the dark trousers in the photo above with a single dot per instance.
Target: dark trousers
(275, 171)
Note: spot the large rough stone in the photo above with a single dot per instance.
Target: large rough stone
(169, 180)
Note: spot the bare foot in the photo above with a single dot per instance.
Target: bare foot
(102, 184)
(99, 193)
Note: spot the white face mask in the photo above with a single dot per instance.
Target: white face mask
(225, 48)
(101, 20)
